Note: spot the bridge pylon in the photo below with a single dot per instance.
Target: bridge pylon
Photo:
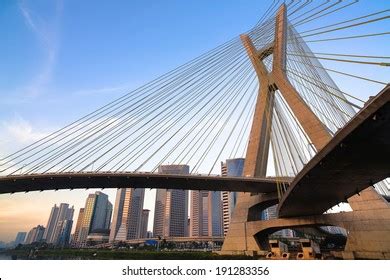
(249, 206)
(247, 233)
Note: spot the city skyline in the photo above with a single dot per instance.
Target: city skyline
(20, 127)
(62, 212)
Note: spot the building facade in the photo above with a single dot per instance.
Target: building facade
(215, 220)
(78, 226)
(126, 222)
(171, 207)
(35, 234)
(97, 215)
(232, 168)
(62, 233)
(51, 223)
(20, 238)
(198, 213)
(206, 214)
(58, 215)
(144, 223)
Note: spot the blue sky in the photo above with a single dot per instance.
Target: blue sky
(59, 60)
(56, 54)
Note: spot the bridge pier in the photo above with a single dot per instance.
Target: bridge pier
(369, 231)
(247, 209)
(367, 226)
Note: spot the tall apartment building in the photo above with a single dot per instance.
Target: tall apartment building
(20, 238)
(171, 207)
(232, 168)
(78, 226)
(35, 234)
(97, 215)
(215, 220)
(56, 219)
(198, 213)
(126, 221)
(53, 218)
(144, 223)
(62, 233)
(206, 214)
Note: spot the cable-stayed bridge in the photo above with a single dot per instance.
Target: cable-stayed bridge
(264, 96)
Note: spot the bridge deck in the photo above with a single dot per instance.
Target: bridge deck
(357, 157)
(41, 182)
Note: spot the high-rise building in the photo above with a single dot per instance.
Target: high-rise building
(57, 216)
(78, 226)
(97, 215)
(62, 233)
(215, 214)
(107, 223)
(269, 213)
(232, 168)
(159, 213)
(235, 167)
(20, 237)
(102, 212)
(206, 214)
(126, 221)
(144, 223)
(35, 234)
(197, 223)
(51, 223)
(171, 208)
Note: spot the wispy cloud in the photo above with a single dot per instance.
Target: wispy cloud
(47, 32)
(20, 131)
(102, 90)
(15, 134)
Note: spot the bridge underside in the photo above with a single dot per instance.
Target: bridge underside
(353, 161)
(368, 228)
(41, 182)
(356, 158)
